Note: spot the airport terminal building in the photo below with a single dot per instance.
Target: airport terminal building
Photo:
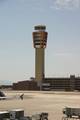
(68, 84)
(71, 83)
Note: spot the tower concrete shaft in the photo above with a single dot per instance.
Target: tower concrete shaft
(39, 43)
(39, 64)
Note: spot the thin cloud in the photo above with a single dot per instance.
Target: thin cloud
(66, 4)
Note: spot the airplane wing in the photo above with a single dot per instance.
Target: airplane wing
(9, 98)
(2, 98)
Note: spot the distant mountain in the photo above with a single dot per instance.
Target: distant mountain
(5, 82)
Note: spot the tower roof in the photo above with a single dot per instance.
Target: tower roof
(40, 27)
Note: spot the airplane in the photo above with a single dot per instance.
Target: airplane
(4, 97)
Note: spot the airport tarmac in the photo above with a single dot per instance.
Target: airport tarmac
(34, 102)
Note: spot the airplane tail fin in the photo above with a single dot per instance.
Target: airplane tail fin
(21, 96)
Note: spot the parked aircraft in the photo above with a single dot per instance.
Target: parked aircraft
(4, 97)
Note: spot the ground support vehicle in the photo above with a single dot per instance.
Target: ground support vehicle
(73, 113)
(18, 114)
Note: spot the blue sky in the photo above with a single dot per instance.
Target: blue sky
(17, 20)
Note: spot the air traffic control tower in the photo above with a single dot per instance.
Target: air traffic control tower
(39, 43)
